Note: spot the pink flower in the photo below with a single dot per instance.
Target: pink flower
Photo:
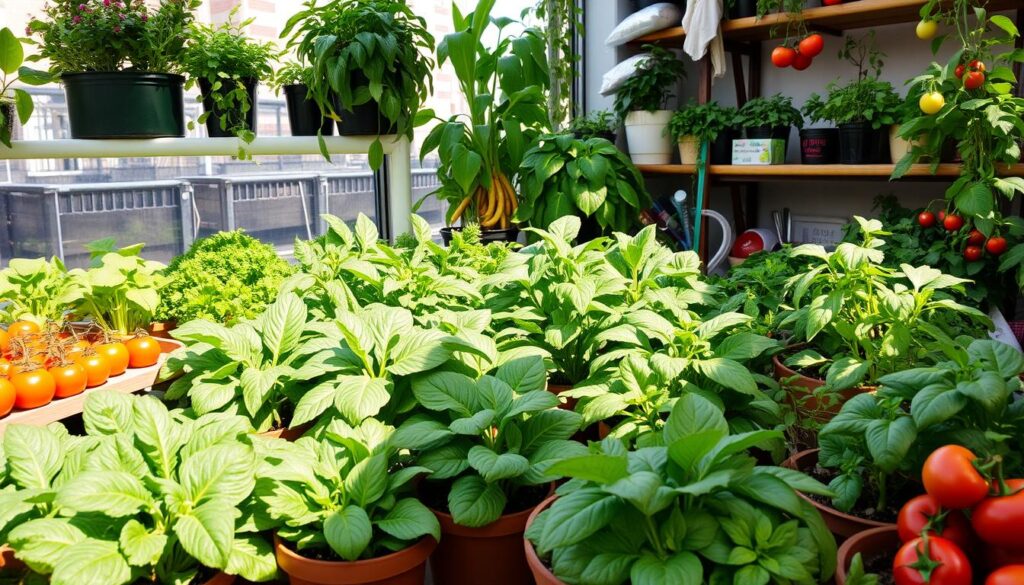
(121, 16)
(106, 3)
(81, 6)
(77, 19)
(117, 29)
(145, 17)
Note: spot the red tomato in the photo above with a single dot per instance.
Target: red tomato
(950, 477)
(975, 238)
(959, 71)
(117, 354)
(926, 219)
(952, 566)
(952, 222)
(942, 215)
(996, 245)
(1011, 575)
(22, 329)
(974, 80)
(7, 396)
(97, 368)
(33, 389)
(924, 513)
(783, 56)
(976, 65)
(802, 61)
(998, 520)
(812, 45)
(143, 351)
(973, 253)
(70, 379)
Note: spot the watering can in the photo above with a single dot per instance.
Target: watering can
(679, 201)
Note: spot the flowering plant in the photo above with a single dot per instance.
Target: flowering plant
(79, 36)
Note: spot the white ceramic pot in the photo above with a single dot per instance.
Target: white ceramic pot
(689, 150)
(648, 138)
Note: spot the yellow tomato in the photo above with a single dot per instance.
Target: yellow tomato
(926, 29)
(931, 102)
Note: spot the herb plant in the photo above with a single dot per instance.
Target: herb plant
(37, 290)
(693, 510)
(562, 175)
(344, 494)
(705, 121)
(293, 74)
(867, 99)
(121, 293)
(489, 437)
(364, 51)
(223, 278)
(775, 111)
(596, 124)
(653, 84)
(14, 101)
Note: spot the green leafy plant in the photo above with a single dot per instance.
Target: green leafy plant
(693, 510)
(223, 278)
(361, 52)
(562, 175)
(488, 438)
(226, 59)
(146, 496)
(292, 74)
(37, 290)
(775, 111)
(867, 99)
(878, 443)
(652, 85)
(14, 101)
(757, 287)
(345, 495)
(596, 124)
(121, 293)
(705, 121)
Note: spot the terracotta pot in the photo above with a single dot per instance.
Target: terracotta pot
(162, 329)
(603, 430)
(800, 390)
(842, 525)
(7, 560)
(221, 579)
(405, 567)
(288, 434)
(556, 389)
(490, 555)
(541, 574)
(870, 543)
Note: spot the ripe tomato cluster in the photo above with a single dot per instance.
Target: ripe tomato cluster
(802, 56)
(976, 244)
(965, 526)
(973, 75)
(38, 364)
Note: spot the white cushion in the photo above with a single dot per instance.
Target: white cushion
(651, 19)
(613, 80)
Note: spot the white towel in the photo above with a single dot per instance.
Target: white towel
(702, 23)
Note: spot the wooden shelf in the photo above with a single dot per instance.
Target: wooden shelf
(815, 172)
(61, 408)
(846, 16)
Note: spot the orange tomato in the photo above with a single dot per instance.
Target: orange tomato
(5, 341)
(70, 379)
(22, 329)
(7, 396)
(143, 351)
(33, 389)
(117, 354)
(97, 368)
(5, 367)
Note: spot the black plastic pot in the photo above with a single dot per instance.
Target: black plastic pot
(9, 113)
(776, 132)
(743, 9)
(819, 146)
(364, 120)
(125, 104)
(486, 236)
(235, 119)
(609, 136)
(721, 147)
(304, 115)
(860, 144)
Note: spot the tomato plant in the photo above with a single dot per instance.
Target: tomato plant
(926, 219)
(950, 477)
(973, 80)
(999, 520)
(143, 351)
(975, 238)
(952, 222)
(7, 396)
(973, 253)
(783, 56)
(33, 388)
(931, 560)
(996, 245)
(931, 102)
(1010, 575)
(925, 514)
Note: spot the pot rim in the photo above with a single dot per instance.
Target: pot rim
(506, 525)
(532, 558)
(791, 372)
(843, 554)
(399, 562)
(124, 74)
(793, 462)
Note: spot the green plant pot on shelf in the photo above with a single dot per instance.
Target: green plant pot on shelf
(304, 116)
(125, 104)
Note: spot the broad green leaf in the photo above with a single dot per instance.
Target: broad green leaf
(474, 502)
(253, 559)
(140, 546)
(282, 325)
(645, 491)
(691, 415)
(890, 441)
(42, 542)
(418, 351)
(524, 375)
(107, 413)
(410, 520)
(599, 468)
(91, 562)
(367, 480)
(578, 515)
(728, 373)
(360, 397)
(223, 473)
(348, 532)
(846, 372)
(683, 568)
(314, 402)
(34, 455)
(207, 533)
(443, 391)
(159, 438)
(495, 467)
(114, 493)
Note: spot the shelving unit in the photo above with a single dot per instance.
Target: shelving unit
(817, 172)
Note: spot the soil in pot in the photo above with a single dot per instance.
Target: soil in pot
(405, 567)
(236, 120)
(487, 236)
(877, 548)
(490, 555)
(304, 115)
(125, 104)
(819, 146)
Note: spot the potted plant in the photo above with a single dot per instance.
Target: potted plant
(818, 145)
(480, 153)
(118, 63)
(695, 124)
(37, 290)
(596, 124)
(121, 292)
(371, 69)
(146, 496)
(770, 117)
(344, 508)
(623, 512)
(640, 104)
(304, 115)
(14, 102)
(489, 441)
(562, 175)
(228, 68)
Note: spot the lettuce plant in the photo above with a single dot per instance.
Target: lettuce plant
(145, 496)
(344, 494)
(489, 437)
(36, 290)
(693, 510)
(121, 292)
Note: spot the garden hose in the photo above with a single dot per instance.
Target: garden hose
(698, 212)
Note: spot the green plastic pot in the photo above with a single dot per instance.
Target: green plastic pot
(125, 104)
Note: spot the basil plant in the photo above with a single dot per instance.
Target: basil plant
(693, 510)
(145, 496)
